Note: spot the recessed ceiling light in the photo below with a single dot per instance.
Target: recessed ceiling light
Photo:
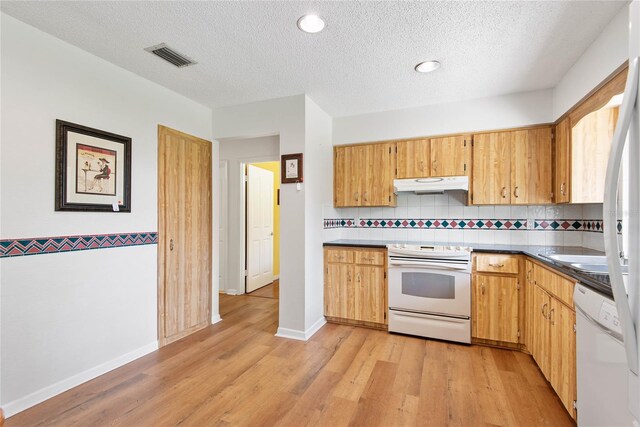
(310, 23)
(427, 66)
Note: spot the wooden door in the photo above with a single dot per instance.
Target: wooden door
(495, 314)
(338, 292)
(531, 173)
(413, 159)
(370, 294)
(259, 228)
(491, 182)
(184, 247)
(540, 337)
(562, 162)
(563, 353)
(377, 182)
(450, 156)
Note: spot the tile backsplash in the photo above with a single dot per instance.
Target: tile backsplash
(445, 218)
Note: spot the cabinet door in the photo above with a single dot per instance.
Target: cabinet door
(413, 159)
(531, 174)
(562, 162)
(344, 179)
(540, 336)
(339, 290)
(370, 294)
(563, 353)
(492, 168)
(528, 283)
(450, 156)
(377, 182)
(495, 308)
(590, 145)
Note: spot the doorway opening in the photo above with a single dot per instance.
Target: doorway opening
(262, 229)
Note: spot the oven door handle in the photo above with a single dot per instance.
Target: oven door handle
(423, 264)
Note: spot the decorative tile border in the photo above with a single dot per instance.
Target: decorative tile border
(339, 223)
(448, 224)
(47, 245)
(471, 224)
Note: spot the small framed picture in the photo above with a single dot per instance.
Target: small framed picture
(291, 168)
(93, 169)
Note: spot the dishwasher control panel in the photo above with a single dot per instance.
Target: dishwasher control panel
(608, 317)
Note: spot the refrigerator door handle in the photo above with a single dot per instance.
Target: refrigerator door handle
(612, 249)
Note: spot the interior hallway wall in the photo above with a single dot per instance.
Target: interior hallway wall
(274, 167)
(236, 151)
(67, 317)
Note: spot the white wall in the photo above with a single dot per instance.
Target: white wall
(284, 117)
(236, 151)
(318, 172)
(67, 317)
(601, 58)
(500, 112)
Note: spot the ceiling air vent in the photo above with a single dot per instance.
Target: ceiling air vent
(170, 55)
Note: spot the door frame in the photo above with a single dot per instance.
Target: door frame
(162, 340)
(242, 285)
(223, 184)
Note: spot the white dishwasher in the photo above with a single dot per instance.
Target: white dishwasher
(603, 391)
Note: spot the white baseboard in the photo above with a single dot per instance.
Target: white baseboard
(215, 319)
(48, 392)
(295, 334)
(232, 292)
(276, 277)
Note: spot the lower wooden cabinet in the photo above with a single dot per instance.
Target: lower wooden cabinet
(553, 339)
(495, 313)
(355, 286)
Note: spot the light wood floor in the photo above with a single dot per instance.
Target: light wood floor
(238, 373)
(272, 290)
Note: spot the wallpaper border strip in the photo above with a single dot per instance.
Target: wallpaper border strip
(48, 245)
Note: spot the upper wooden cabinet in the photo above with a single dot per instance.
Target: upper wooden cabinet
(450, 156)
(512, 167)
(363, 175)
(562, 161)
(582, 144)
(423, 158)
(414, 159)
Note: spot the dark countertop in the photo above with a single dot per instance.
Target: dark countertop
(597, 282)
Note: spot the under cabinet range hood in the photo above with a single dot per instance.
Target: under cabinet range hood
(431, 185)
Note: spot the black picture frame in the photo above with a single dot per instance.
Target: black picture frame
(296, 160)
(93, 169)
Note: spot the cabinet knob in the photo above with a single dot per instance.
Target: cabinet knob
(434, 164)
(543, 313)
(366, 197)
(504, 192)
(496, 265)
(516, 192)
(356, 196)
(562, 188)
(421, 165)
(171, 244)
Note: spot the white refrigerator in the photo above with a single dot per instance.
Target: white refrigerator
(627, 300)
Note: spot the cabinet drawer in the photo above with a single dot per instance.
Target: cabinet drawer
(340, 255)
(493, 263)
(370, 257)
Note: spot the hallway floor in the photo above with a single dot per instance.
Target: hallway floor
(238, 373)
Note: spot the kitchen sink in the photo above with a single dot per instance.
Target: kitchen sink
(597, 268)
(578, 259)
(587, 263)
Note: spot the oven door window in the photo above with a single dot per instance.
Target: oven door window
(429, 285)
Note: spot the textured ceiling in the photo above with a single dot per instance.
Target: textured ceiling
(362, 62)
